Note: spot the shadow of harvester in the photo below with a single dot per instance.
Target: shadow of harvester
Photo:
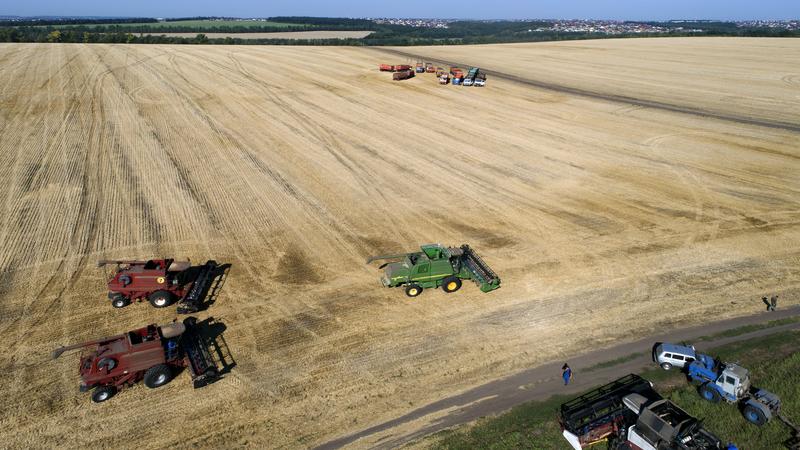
(210, 332)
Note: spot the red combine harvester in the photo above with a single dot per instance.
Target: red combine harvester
(387, 68)
(161, 282)
(153, 354)
(402, 67)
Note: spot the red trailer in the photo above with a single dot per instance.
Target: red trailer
(402, 67)
(154, 354)
(403, 75)
(387, 68)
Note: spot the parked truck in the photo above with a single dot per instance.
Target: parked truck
(480, 80)
(628, 413)
(456, 75)
(436, 266)
(444, 78)
(420, 68)
(403, 75)
(154, 354)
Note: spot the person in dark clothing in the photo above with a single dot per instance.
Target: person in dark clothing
(766, 302)
(566, 374)
(774, 302)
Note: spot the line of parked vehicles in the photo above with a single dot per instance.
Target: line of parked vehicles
(473, 77)
(629, 414)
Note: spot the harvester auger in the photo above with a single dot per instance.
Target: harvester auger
(436, 266)
(161, 282)
(153, 353)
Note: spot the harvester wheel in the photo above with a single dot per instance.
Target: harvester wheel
(157, 376)
(413, 290)
(120, 301)
(160, 299)
(709, 394)
(451, 284)
(103, 393)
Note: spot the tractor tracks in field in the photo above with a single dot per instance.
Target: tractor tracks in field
(615, 98)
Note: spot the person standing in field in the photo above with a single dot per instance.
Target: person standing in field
(566, 374)
(774, 302)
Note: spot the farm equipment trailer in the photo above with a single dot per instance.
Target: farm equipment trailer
(628, 413)
(161, 282)
(436, 266)
(152, 353)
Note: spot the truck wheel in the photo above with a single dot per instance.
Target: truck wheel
(666, 366)
(120, 301)
(160, 299)
(709, 393)
(157, 376)
(413, 290)
(451, 284)
(754, 415)
(103, 393)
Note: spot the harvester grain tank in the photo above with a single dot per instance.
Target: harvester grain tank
(154, 354)
(403, 75)
(436, 266)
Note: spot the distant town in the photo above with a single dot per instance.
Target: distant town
(610, 27)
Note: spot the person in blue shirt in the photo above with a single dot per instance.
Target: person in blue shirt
(566, 374)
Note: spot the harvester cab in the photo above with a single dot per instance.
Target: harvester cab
(436, 266)
(162, 282)
(153, 353)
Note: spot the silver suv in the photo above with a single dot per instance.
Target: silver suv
(669, 355)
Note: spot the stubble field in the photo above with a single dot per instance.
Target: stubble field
(605, 221)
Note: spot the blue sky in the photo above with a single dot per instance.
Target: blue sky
(480, 9)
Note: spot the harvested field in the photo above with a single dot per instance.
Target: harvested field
(606, 221)
(279, 35)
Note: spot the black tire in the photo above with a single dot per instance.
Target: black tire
(120, 301)
(754, 415)
(413, 290)
(103, 393)
(666, 366)
(709, 393)
(161, 299)
(451, 284)
(157, 376)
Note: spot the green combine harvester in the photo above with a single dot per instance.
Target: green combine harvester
(436, 266)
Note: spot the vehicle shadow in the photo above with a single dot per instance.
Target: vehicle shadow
(212, 332)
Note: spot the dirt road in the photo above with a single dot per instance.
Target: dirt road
(542, 382)
(294, 164)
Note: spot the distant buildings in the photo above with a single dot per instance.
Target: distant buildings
(416, 23)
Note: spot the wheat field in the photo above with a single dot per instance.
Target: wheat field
(606, 221)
